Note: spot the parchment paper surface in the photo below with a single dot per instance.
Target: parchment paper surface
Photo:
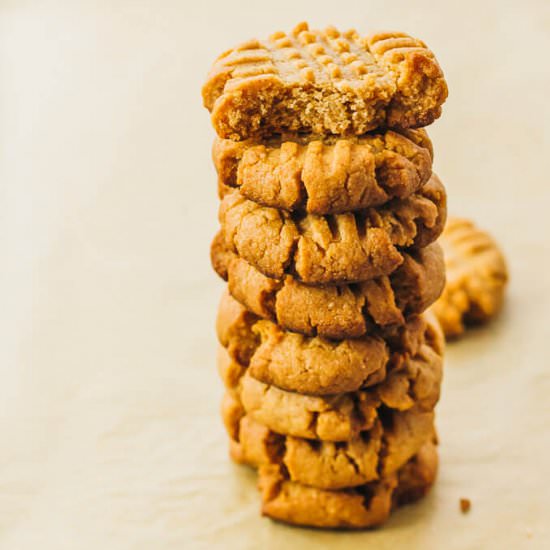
(109, 398)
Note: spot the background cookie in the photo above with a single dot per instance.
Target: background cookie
(476, 277)
(331, 249)
(286, 82)
(325, 174)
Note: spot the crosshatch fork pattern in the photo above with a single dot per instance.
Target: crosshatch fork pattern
(379, 69)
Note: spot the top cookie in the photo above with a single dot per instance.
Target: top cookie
(324, 82)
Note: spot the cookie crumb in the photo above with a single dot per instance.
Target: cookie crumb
(465, 505)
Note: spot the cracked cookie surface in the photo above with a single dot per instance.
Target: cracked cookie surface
(306, 364)
(335, 311)
(339, 248)
(294, 361)
(325, 82)
(476, 277)
(323, 174)
(356, 508)
(415, 383)
(315, 365)
(372, 454)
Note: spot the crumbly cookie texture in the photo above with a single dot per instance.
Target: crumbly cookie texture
(358, 508)
(323, 174)
(330, 418)
(293, 361)
(324, 82)
(415, 383)
(337, 248)
(375, 453)
(476, 277)
(325, 465)
(341, 311)
(318, 366)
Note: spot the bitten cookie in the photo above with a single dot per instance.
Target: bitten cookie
(315, 365)
(324, 82)
(414, 384)
(338, 312)
(358, 508)
(332, 249)
(375, 453)
(476, 277)
(325, 174)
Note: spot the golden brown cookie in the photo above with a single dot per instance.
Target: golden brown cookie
(324, 82)
(325, 174)
(296, 361)
(325, 465)
(476, 277)
(309, 364)
(330, 418)
(315, 365)
(338, 248)
(380, 451)
(357, 508)
(343, 311)
(414, 384)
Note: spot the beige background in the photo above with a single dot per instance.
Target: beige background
(109, 396)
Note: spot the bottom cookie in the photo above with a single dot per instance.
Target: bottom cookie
(361, 507)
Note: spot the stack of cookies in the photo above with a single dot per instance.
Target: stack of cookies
(329, 216)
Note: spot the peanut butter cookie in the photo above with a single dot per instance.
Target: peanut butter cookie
(333, 249)
(324, 82)
(357, 508)
(315, 365)
(325, 174)
(330, 418)
(343, 311)
(414, 384)
(380, 451)
(476, 277)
